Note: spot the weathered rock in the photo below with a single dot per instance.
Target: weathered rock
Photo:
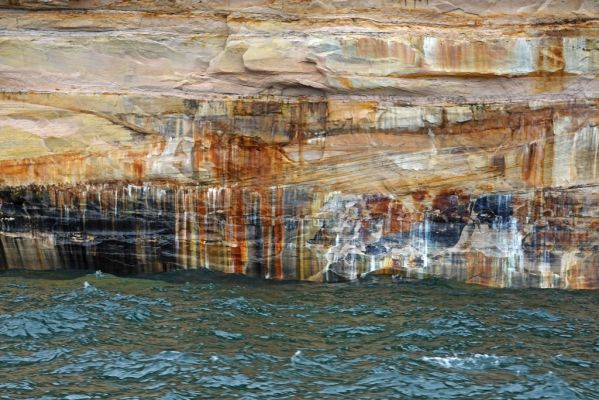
(303, 140)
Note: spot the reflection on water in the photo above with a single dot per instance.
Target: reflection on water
(190, 335)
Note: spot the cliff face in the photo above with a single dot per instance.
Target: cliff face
(303, 139)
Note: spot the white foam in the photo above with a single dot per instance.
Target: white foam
(476, 361)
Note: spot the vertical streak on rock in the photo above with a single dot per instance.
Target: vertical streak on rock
(192, 227)
(226, 227)
(278, 231)
(254, 231)
(208, 217)
(300, 245)
(201, 222)
(267, 226)
(237, 243)
(177, 226)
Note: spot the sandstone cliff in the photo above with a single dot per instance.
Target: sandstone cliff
(312, 140)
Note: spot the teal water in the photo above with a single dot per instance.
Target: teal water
(192, 335)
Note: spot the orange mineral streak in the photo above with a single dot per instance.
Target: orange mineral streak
(399, 218)
(284, 208)
(244, 162)
(584, 275)
(74, 168)
(482, 269)
(240, 159)
(469, 57)
(238, 245)
(375, 48)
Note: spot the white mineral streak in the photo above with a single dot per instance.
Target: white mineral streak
(293, 139)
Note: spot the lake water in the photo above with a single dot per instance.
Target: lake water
(190, 335)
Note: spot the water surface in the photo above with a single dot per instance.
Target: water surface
(194, 335)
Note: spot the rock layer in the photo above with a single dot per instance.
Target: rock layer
(302, 140)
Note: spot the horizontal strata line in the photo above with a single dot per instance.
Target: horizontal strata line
(70, 33)
(567, 98)
(415, 16)
(169, 184)
(340, 30)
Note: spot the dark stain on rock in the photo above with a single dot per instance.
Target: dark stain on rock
(495, 208)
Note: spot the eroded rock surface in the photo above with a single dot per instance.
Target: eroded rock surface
(304, 140)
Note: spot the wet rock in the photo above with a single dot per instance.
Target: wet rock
(301, 140)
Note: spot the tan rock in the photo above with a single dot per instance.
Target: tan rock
(305, 140)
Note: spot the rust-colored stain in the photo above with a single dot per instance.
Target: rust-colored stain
(481, 206)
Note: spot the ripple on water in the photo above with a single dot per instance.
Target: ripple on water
(251, 387)
(458, 324)
(77, 311)
(134, 365)
(313, 366)
(42, 356)
(24, 385)
(358, 310)
(256, 341)
(60, 319)
(562, 360)
(243, 305)
(227, 335)
(348, 331)
(424, 333)
(537, 313)
(138, 365)
(547, 386)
